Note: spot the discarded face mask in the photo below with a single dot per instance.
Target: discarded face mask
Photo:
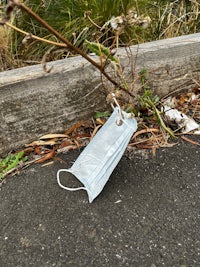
(95, 164)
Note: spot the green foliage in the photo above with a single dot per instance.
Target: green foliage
(143, 76)
(101, 51)
(100, 114)
(10, 162)
(150, 102)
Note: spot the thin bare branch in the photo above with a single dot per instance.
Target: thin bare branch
(34, 36)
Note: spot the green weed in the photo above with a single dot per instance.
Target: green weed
(10, 162)
(100, 114)
(151, 102)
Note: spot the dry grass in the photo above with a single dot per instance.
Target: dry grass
(168, 19)
(3, 50)
(179, 18)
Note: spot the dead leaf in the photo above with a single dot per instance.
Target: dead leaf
(47, 164)
(189, 140)
(81, 135)
(37, 150)
(139, 142)
(149, 130)
(48, 156)
(51, 136)
(65, 143)
(28, 150)
(183, 99)
(154, 150)
(75, 126)
(95, 131)
(77, 143)
(42, 143)
(147, 146)
(66, 149)
(100, 121)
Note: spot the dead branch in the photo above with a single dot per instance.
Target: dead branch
(34, 36)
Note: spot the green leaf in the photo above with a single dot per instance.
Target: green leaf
(10, 162)
(99, 114)
(101, 50)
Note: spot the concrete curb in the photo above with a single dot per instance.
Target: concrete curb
(33, 103)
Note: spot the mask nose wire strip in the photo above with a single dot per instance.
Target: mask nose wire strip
(69, 188)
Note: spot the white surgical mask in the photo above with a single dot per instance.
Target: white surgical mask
(95, 164)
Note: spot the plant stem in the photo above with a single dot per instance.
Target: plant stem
(34, 36)
(167, 129)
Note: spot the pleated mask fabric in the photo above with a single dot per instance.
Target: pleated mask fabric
(97, 161)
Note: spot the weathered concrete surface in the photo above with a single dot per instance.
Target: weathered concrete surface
(147, 215)
(46, 103)
(33, 103)
(171, 64)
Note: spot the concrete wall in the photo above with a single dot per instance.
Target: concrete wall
(33, 103)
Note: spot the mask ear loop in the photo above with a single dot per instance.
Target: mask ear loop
(121, 116)
(66, 187)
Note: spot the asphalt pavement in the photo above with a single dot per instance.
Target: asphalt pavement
(148, 214)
